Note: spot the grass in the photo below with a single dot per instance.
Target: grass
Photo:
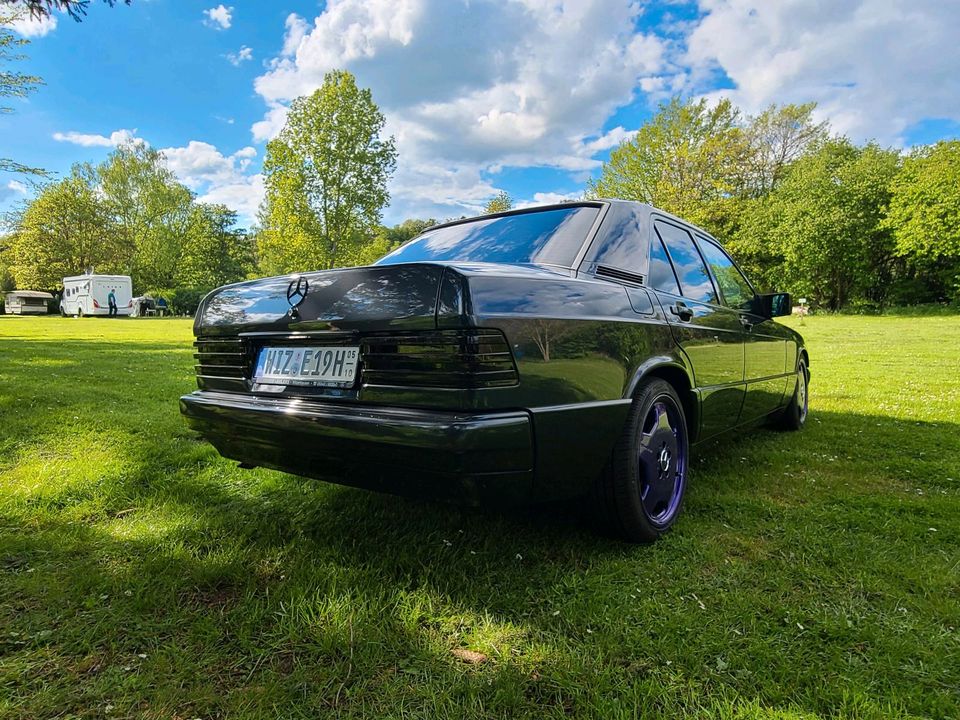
(813, 575)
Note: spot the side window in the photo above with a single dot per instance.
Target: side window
(661, 273)
(624, 247)
(734, 287)
(695, 282)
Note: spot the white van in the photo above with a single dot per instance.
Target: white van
(87, 294)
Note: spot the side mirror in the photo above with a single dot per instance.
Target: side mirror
(775, 304)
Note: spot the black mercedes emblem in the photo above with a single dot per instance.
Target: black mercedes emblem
(297, 291)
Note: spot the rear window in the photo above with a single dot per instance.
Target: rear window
(548, 237)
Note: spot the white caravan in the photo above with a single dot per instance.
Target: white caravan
(87, 294)
(26, 302)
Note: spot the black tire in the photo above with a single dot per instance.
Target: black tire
(636, 499)
(794, 415)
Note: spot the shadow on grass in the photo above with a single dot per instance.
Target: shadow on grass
(782, 586)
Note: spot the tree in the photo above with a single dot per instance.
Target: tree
(326, 179)
(77, 9)
(820, 231)
(64, 231)
(214, 251)
(500, 202)
(924, 215)
(150, 210)
(687, 159)
(14, 84)
(777, 137)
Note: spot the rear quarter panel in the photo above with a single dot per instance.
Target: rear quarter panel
(579, 345)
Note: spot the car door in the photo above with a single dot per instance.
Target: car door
(709, 333)
(765, 350)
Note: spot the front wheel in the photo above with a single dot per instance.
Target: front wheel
(794, 415)
(641, 494)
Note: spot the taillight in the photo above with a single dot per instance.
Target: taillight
(473, 358)
(95, 303)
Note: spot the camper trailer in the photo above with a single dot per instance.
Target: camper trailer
(26, 302)
(87, 295)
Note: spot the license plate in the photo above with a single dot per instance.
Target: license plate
(307, 365)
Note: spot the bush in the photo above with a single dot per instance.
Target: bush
(184, 301)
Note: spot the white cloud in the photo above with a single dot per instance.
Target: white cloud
(30, 27)
(875, 67)
(11, 190)
(244, 53)
(244, 195)
(218, 17)
(117, 137)
(524, 83)
(548, 198)
(271, 125)
(218, 178)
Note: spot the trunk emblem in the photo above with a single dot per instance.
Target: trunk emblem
(297, 291)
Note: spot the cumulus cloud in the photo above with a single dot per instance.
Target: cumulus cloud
(219, 17)
(244, 53)
(525, 83)
(875, 67)
(548, 198)
(117, 137)
(12, 190)
(31, 27)
(218, 178)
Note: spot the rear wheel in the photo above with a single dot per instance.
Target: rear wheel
(794, 416)
(640, 495)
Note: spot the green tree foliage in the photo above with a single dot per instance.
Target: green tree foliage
(776, 138)
(149, 208)
(687, 159)
(77, 9)
(13, 84)
(214, 251)
(64, 231)
(407, 230)
(127, 215)
(326, 180)
(820, 231)
(924, 215)
(500, 202)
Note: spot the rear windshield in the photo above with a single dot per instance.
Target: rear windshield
(548, 237)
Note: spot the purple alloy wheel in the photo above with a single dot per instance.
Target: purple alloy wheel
(663, 461)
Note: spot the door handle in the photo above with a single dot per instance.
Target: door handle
(681, 311)
(746, 323)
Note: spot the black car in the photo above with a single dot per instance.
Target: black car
(536, 354)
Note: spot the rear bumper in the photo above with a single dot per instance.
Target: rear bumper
(462, 456)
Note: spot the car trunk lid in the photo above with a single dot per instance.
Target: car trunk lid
(390, 297)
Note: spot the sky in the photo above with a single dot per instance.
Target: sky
(526, 96)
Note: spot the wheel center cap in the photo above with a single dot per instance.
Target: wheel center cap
(664, 459)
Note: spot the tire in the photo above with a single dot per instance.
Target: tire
(794, 415)
(639, 496)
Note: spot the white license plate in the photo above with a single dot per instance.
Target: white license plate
(307, 365)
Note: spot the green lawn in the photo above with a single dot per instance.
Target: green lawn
(813, 575)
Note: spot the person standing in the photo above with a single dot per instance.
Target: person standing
(112, 303)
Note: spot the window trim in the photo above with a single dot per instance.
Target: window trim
(655, 236)
(702, 237)
(692, 234)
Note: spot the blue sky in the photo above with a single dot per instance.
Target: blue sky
(526, 96)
